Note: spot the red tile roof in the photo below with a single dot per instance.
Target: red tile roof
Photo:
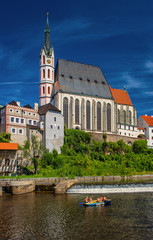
(8, 146)
(121, 96)
(148, 120)
(141, 128)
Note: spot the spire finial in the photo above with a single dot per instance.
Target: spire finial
(47, 43)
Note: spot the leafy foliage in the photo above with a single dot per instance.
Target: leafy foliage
(5, 137)
(82, 157)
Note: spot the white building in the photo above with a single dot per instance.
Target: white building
(146, 122)
(52, 123)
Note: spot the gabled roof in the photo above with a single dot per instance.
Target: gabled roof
(28, 106)
(148, 120)
(81, 79)
(121, 96)
(45, 108)
(13, 103)
(8, 146)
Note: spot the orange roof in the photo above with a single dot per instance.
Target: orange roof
(148, 120)
(121, 96)
(8, 146)
(141, 128)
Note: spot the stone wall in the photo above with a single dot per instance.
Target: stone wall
(113, 138)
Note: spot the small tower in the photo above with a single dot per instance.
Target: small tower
(46, 69)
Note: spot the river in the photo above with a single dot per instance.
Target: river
(44, 216)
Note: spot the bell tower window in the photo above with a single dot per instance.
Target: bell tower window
(48, 73)
(48, 90)
(43, 59)
(43, 73)
(43, 90)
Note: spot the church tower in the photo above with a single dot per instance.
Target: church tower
(46, 68)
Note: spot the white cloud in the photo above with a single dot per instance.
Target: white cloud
(149, 66)
(131, 82)
(149, 93)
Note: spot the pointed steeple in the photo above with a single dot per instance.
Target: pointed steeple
(47, 42)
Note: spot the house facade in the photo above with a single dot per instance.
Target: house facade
(52, 124)
(14, 120)
(8, 159)
(146, 122)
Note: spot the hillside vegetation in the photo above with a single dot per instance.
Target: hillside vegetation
(82, 157)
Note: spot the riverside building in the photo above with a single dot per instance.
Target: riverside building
(83, 95)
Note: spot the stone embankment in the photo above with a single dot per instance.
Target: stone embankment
(60, 185)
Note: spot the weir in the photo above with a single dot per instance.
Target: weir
(111, 188)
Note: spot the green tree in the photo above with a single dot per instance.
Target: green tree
(5, 137)
(33, 150)
(140, 146)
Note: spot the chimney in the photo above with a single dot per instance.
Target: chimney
(36, 106)
(146, 115)
(18, 103)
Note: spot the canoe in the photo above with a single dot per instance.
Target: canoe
(95, 203)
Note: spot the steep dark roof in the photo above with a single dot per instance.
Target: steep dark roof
(45, 108)
(47, 42)
(13, 103)
(79, 78)
(27, 106)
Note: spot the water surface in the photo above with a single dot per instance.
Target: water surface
(46, 216)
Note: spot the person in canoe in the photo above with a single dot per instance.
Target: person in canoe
(90, 199)
(86, 200)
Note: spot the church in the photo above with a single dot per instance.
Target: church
(83, 95)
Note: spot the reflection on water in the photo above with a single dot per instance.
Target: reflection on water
(45, 216)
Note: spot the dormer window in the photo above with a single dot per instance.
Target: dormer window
(88, 79)
(70, 77)
(62, 75)
(95, 81)
(80, 78)
(103, 82)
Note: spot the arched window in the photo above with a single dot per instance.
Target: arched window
(99, 116)
(48, 73)
(43, 73)
(77, 111)
(43, 59)
(124, 117)
(65, 111)
(88, 115)
(48, 90)
(43, 90)
(118, 116)
(130, 119)
(109, 117)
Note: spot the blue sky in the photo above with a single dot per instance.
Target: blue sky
(115, 35)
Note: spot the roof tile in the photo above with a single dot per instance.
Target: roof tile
(148, 120)
(121, 96)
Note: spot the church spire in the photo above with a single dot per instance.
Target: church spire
(47, 42)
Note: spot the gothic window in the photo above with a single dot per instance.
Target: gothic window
(65, 111)
(43, 59)
(124, 117)
(99, 116)
(43, 90)
(130, 120)
(88, 115)
(48, 73)
(118, 116)
(109, 117)
(43, 73)
(48, 90)
(77, 111)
